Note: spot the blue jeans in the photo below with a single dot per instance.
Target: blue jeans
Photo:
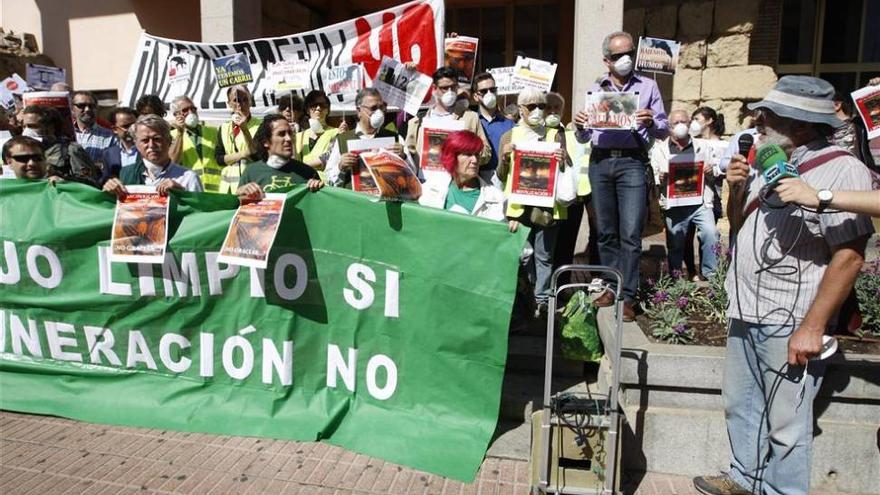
(540, 263)
(678, 220)
(619, 198)
(769, 423)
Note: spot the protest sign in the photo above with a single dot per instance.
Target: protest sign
(461, 54)
(411, 32)
(361, 179)
(346, 339)
(7, 99)
(867, 101)
(344, 80)
(289, 75)
(685, 181)
(401, 87)
(533, 73)
(657, 55)
(504, 81)
(140, 227)
(392, 176)
(434, 132)
(15, 84)
(59, 100)
(42, 77)
(178, 68)
(252, 231)
(611, 110)
(232, 70)
(534, 174)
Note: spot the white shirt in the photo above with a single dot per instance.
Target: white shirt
(183, 176)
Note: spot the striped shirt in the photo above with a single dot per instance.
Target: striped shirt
(782, 251)
(95, 140)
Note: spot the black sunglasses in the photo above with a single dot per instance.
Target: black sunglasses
(532, 106)
(614, 57)
(372, 108)
(486, 90)
(83, 106)
(25, 158)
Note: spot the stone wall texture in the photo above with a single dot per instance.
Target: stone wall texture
(717, 62)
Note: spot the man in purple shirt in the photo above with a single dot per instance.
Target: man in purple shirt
(619, 167)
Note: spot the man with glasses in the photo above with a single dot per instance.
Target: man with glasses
(92, 137)
(125, 153)
(446, 107)
(193, 143)
(65, 158)
(371, 119)
(485, 94)
(619, 168)
(24, 157)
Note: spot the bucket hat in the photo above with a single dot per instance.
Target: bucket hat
(803, 98)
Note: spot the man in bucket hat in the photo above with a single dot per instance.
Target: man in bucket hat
(791, 270)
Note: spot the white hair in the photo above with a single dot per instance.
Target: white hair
(530, 95)
(175, 103)
(606, 44)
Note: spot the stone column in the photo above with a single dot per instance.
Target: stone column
(231, 20)
(593, 20)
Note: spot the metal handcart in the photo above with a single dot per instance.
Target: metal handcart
(579, 436)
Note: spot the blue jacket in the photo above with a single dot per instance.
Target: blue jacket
(112, 158)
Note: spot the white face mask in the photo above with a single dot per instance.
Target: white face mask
(536, 117)
(377, 118)
(696, 128)
(315, 126)
(152, 167)
(31, 133)
(680, 130)
(490, 100)
(191, 120)
(623, 66)
(448, 99)
(276, 161)
(552, 120)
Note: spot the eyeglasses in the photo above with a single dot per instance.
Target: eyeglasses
(372, 108)
(483, 91)
(83, 106)
(184, 111)
(614, 57)
(532, 106)
(25, 158)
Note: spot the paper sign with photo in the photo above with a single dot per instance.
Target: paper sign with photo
(392, 175)
(461, 54)
(611, 110)
(361, 180)
(434, 132)
(140, 227)
(15, 84)
(534, 176)
(290, 75)
(42, 77)
(534, 73)
(7, 99)
(401, 87)
(657, 55)
(232, 69)
(345, 79)
(252, 231)
(59, 100)
(178, 68)
(867, 102)
(684, 181)
(504, 80)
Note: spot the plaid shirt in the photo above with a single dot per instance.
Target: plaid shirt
(95, 141)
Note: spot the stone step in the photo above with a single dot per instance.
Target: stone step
(521, 393)
(512, 440)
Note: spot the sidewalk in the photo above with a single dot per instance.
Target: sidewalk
(45, 455)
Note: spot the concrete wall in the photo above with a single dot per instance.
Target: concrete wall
(95, 40)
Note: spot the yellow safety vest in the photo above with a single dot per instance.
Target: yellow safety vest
(322, 145)
(514, 210)
(580, 157)
(199, 156)
(233, 144)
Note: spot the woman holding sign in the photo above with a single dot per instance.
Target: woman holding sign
(236, 145)
(316, 141)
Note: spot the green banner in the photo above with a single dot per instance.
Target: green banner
(379, 327)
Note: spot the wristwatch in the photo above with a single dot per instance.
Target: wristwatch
(825, 197)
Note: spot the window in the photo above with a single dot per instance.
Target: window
(836, 40)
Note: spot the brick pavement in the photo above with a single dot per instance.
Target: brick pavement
(47, 455)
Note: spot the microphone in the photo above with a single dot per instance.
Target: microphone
(773, 161)
(744, 143)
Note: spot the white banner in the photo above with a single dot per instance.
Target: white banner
(412, 32)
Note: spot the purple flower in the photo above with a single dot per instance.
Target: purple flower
(711, 294)
(680, 329)
(682, 302)
(676, 273)
(717, 249)
(651, 281)
(660, 297)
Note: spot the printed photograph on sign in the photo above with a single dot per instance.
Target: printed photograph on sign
(461, 54)
(657, 55)
(393, 177)
(611, 110)
(401, 87)
(534, 174)
(252, 231)
(232, 69)
(534, 73)
(59, 100)
(178, 68)
(140, 227)
(361, 180)
(434, 133)
(684, 181)
(42, 77)
(345, 79)
(867, 102)
(15, 84)
(290, 75)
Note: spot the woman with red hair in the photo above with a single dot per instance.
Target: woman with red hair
(466, 193)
